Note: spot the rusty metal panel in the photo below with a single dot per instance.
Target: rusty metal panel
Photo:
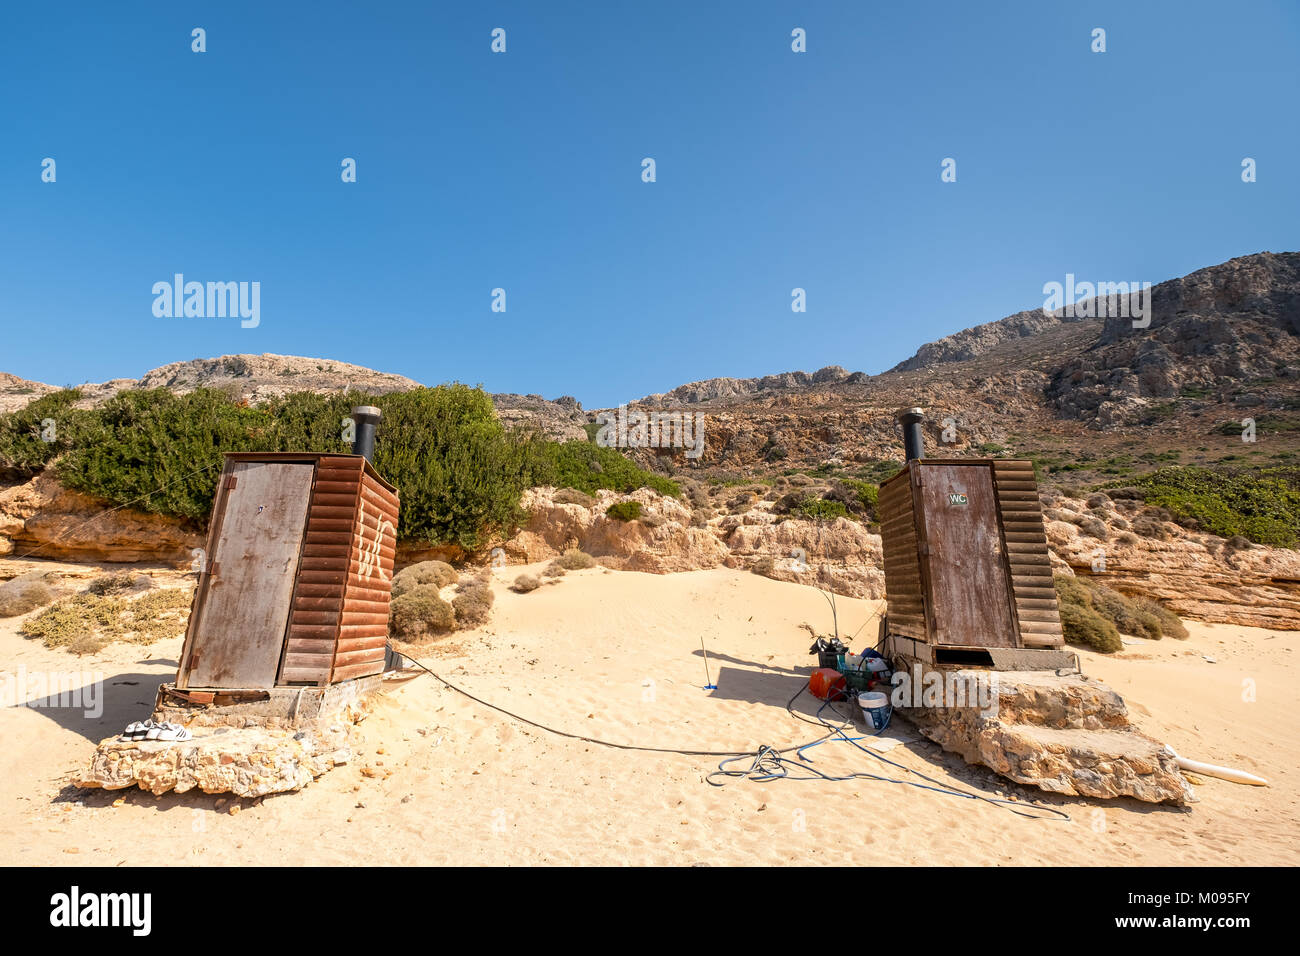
(237, 624)
(360, 649)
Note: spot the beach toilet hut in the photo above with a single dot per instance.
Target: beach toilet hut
(295, 581)
(965, 554)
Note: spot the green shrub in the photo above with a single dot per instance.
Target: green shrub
(1170, 623)
(589, 468)
(1262, 505)
(420, 613)
(459, 472)
(437, 573)
(819, 509)
(624, 510)
(24, 448)
(1141, 617)
(1125, 614)
(1083, 625)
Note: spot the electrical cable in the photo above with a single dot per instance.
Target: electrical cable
(767, 763)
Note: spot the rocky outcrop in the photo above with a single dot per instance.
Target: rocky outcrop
(45, 519)
(712, 388)
(662, 540)
(250, 762)
(1196, 575)
(840, 556)
(1063, 734)
(980, 339)
(1218, 328)
(16, 392)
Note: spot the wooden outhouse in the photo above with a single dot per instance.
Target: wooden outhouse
(966, 559)
(295, 581)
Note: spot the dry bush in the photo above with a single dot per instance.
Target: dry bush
(575, 560)
(420, 613)
(525, 583)
(554, 570)
(24, 593)
(572, 496)
(1127, 538)
(473, 603)
(439, 574)
(1151, 528)
(1092, 527)
(120, 581)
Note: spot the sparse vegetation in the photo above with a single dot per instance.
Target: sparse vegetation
(1262, 505)
(473, 603)
(1095, 615)
(85, 623)
(526, 583)
(24, 594)
(624, 510)
(575, 560)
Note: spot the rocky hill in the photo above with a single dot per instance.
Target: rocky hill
(257, 378)
(1223, 344)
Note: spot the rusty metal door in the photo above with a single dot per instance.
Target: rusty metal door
(967, 572)
(240, 631)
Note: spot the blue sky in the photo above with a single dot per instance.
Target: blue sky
(522, 171)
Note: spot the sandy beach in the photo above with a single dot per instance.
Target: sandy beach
(616, 655)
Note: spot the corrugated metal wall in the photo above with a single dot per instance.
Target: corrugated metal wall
(364, 626)
(339, 620)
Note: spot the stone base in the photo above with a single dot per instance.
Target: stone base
(277, 743)
(1064, 734)
(248, 763)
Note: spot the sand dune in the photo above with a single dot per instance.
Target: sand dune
(616, 655)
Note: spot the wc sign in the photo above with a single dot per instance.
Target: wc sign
(957, 498)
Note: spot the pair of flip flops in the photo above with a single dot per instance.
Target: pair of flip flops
(151, 730)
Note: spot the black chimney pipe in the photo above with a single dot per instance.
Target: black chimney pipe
(365, 418)
(913, 442)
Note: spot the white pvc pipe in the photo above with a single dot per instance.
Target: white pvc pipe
(1223, 773)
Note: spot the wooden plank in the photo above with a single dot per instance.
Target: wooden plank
(1040, 627)
(358, 670)
(241, 634)
(1041, 615)
(1043, 640)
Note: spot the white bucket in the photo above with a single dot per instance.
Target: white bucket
(875, 710)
